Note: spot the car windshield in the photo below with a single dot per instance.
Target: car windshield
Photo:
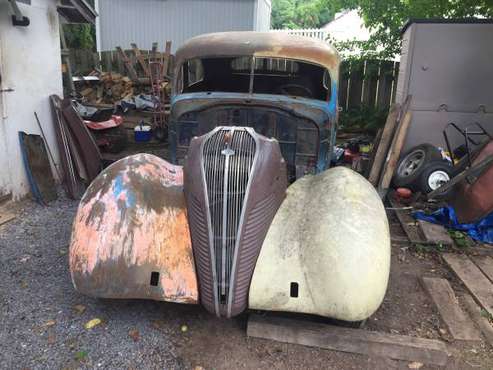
(255, 75)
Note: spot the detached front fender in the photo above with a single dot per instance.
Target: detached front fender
(130, 237)
(327, 251)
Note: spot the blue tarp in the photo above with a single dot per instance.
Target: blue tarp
(480, 231)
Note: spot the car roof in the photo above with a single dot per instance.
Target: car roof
(260, 44)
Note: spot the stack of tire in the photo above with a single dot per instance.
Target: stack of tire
(423, 169)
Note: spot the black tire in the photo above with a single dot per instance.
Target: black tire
(411, 165)
(432, 175)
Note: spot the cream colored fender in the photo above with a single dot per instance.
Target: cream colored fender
(327, 251)
(131, 238)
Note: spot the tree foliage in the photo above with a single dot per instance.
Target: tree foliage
(301, 13)
(385, 18)
(80, 36)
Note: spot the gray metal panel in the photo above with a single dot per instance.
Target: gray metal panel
(427, 126)
(146, 21)
(452, 65)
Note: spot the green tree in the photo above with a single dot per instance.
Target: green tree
(301, 13)
(386, 17)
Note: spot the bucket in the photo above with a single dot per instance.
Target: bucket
(143, 133)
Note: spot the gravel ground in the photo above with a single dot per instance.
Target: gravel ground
(43, 317)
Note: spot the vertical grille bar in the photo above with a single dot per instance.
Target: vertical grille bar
(228, 159)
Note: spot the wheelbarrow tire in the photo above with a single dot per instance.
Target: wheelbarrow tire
(411, 165)
(434, 174)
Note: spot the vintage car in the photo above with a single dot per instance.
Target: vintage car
(248, 215)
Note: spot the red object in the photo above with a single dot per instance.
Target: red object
(404, 193)
(350, 156)
(115, 121)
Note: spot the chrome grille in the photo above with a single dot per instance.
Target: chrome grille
(228, 156)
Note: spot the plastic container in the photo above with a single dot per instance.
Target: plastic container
(143, 133)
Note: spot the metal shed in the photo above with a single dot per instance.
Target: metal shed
(446, 67)
(122, 22)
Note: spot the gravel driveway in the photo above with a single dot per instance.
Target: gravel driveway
(42, 318)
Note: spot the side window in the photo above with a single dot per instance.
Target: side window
(195, 71)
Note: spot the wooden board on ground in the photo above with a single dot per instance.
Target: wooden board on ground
(434, 234)
(458, 323)
(5, 217)
(482, 322)
(383, 145)
(485, 264)
(360, 341)
(407, 222)
(472, 277)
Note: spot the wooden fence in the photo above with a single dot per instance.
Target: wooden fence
(370, 83)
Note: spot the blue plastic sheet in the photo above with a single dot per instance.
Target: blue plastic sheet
(481, 231)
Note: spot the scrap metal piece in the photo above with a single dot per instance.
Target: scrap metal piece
(327, 251)
(131, 237)
(235, 182)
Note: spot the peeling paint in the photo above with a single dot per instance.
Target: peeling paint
(130, 223)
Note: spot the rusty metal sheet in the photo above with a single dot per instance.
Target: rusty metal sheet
(474, 201)
(131, 238)
(260, 44)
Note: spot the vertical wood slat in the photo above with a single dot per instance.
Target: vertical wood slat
(385, 82)
(369, 85)
(355, 85)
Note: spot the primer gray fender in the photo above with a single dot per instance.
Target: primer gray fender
(331, 237)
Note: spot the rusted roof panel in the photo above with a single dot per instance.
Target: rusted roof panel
(260, 44)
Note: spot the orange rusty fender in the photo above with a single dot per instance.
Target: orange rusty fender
(131, 238)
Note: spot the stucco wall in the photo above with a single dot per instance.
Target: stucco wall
(30, 64)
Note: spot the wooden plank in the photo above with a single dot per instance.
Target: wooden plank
(435, 234)
(482, 322)
(384, 144)
(385, 82)
(370, 83)
(355, 85)
(407, 222)
(472, 277)
(141, 60)
(6, 216)
(166, 57)
(458, 323)
(485, 264)
(360, 341)
(128, 64)
(394, 152)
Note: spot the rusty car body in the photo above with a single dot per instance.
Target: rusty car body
(251, 113)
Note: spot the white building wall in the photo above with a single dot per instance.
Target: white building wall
(30, 64)
(122, 22)
(262, 15)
